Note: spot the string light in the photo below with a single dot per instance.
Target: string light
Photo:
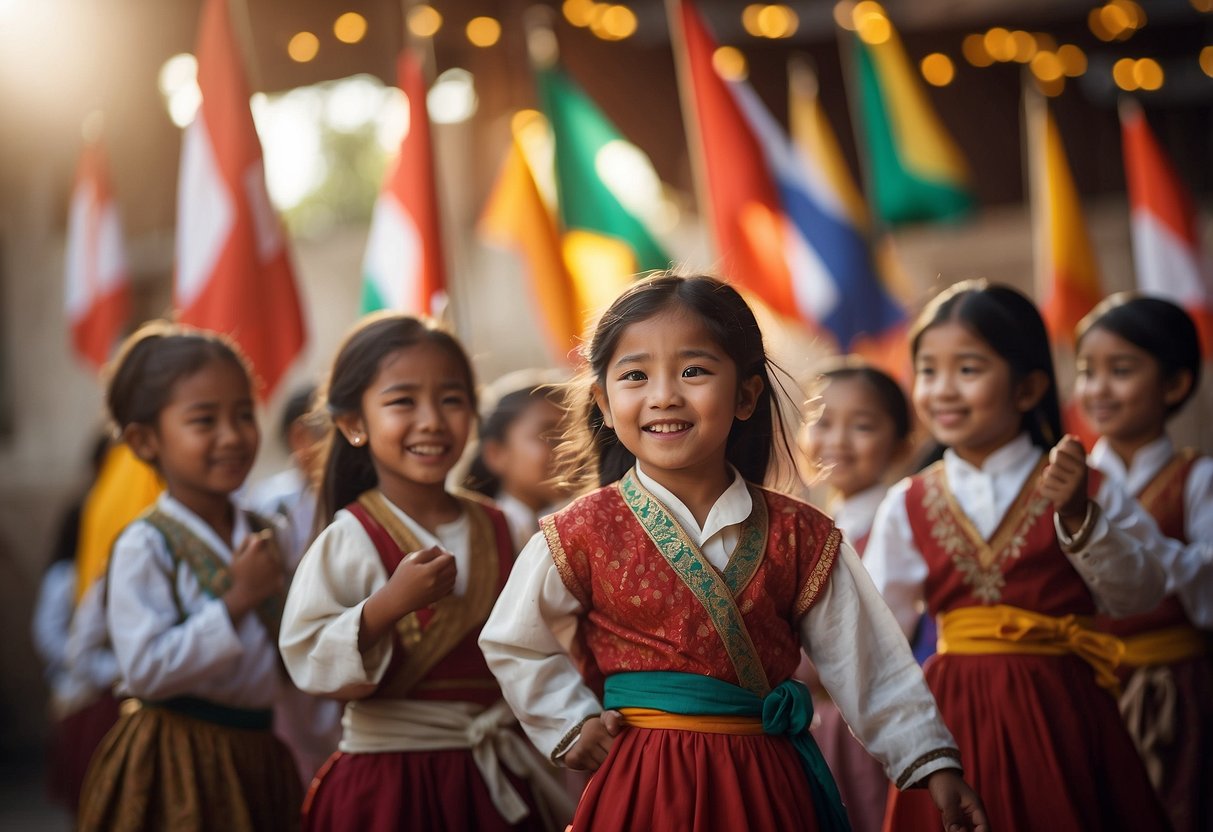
(1046, 66)
(1024, 45)
(424, 21)
(999, 44)
(938, 69)
(578, 12)
(730, 64)
(350, 27)
(974, 50)
(303, 47)
(1122, 74)
(871, 24)
(1073, 60)
(483, 31)
(613, 22)
(1206, 60)
(1148, 74)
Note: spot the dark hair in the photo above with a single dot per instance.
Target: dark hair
(1157, 326)
(495, 426)
(892, 397)
(300, 404)
(152, 360)
(348, 470)
(1011, 325)
(592, 453)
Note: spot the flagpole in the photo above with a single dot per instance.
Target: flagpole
(242, 23)
(691, 127)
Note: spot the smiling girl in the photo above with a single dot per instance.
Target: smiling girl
(692, 589)
(1002, 543)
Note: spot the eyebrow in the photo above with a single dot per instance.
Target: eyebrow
(412, 386)
(687, 353)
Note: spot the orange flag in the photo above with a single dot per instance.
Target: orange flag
(233, 270)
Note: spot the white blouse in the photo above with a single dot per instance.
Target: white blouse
(1189, 568)
(161, 656)
(854, 515)
(864, 661)
(1117, 563)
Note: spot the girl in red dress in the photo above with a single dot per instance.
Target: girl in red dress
(1001, 542)
(691, 590)
(1138, 364)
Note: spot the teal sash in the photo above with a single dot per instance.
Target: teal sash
(786, 710)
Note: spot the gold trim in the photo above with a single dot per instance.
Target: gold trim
(931, 756)
(561, 559)
(1163, 479)
(751, 547)
(821, 571)
(1008, 528)
(454, 617)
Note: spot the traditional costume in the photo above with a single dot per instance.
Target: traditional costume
(1021, 678)
(194, 750)
(697, 632)
(1167, 669)
(427, 742)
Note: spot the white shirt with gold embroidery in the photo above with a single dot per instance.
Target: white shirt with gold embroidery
(864, 661)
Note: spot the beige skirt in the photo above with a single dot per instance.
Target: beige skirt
(161, 769)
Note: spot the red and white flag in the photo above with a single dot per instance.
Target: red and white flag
(1166, 236)
(97, 284)
(233, 270)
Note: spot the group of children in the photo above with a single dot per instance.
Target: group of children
(656, 629)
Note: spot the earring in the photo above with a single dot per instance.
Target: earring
(357, 440)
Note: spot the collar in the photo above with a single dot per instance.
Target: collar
(444, 532)
(1006, 459)
(732, 507)
(179, 511)
(854, 515)
(1146, 464)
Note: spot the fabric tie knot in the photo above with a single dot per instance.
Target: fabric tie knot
(787, 709)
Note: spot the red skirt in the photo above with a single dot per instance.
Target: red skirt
(659, 779)
(74, 739)
(397, 791)
(1042, 744)
(1183, 761)
(861, 780)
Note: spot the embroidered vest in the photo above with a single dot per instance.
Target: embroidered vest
(1163, 497)
(1021, 564)
(654, 602)
(434, 653)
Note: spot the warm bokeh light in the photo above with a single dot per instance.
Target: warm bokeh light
(999, 44)
(1133, 11)
(1148, 74)
(974, 49)
(350, 27)
(1202, 5)
(730, 64)
(1122, 74)
(1206, 60)
(1073, 60)
(871, 24)
(453, 98)
(424, 21)
(1046, 66)
(578, 12)
(1095, 23)
(777, 21)
(177, 71)
(483, 31)
(616, 22)
(1115, 20)
(1044, 42)
(1025, 46)
(844, 14)
(749, 19)
(1052, 88)
(938, 69)
(303, 47)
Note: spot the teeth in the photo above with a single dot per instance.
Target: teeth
(426, 450)
(668, 427)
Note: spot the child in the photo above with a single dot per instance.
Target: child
(692, 589)
(193, 595)
(514, 464)
(861, 433)
(1138, 364)
(1014, 560)
(386, 606)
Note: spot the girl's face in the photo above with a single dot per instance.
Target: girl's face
(854, 441)
(671, 394)
(524, 460)
(205, 439)
(416, 416)
(1121, 388)
(965, 395)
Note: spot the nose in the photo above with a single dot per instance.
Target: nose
(429, 415)
(664, 392)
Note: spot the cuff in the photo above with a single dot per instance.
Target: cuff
(569, 739)
(1077, 543)
(220, 631)
(928, 763)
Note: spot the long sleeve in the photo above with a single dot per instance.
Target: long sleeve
(53, 616)
(897, 569)
(323, 615)
(522, 642)
(89, 655)
(872, 677)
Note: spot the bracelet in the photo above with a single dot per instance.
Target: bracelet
(1079, 540)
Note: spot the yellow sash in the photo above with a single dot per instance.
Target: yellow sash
(1001, 628)
(704, 723)
(1165, 646)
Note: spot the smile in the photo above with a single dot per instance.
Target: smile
(949, 417)
(427, 450)
(668, 427)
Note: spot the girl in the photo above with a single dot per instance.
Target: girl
(862, 432)
(386, 605)
(193, 595)
(1013, 559)
(692, 589)
(514, 464)
(1138, 364)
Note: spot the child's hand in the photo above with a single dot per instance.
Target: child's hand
(256, 572)
(420, 579)
(1064, 482)
(957, 802)
(597, 737)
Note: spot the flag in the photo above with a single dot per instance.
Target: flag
(517, 217)
(403, 268)
(97, 282)
(605, 241)
(233, 271)
(1166, 238)
(785, 229)
(124, 487)
(1067, 274)
(915, 170)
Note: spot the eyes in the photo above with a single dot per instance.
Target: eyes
(449, 400)
(693, 371)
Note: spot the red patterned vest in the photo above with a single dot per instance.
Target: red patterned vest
(460, 673)
(1021, 564)
(1163, 497)
(643, 616)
